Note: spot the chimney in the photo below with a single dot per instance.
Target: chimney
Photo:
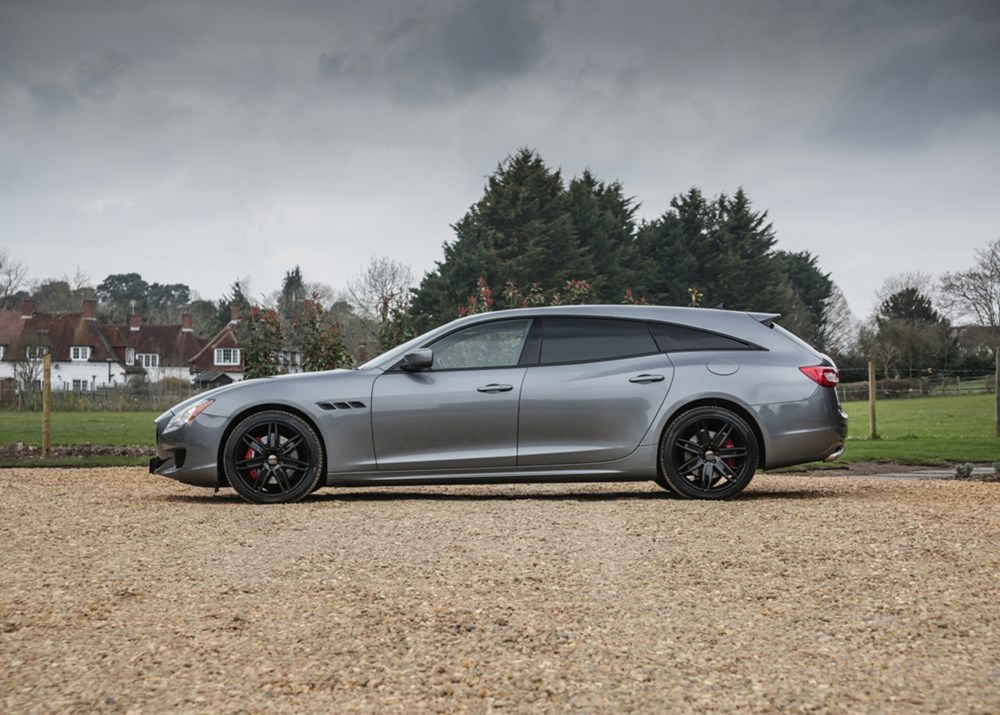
(234, 313)
(134, 322)
(27, 309)
(90, 309)
(186, 325)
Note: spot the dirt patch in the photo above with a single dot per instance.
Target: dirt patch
(31, 451)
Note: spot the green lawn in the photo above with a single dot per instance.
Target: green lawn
(926, 430)
(120, 428)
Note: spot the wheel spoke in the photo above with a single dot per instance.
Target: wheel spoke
(290, 445)
(253, 443)
(706, 476)
(691, 466)
(688, 444)
(282, 479)
(255, 462)
(704, 437)
(297, 464)
(721, 437)
(725, 470)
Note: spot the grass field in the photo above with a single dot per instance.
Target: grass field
(926, 430)
(121, 428)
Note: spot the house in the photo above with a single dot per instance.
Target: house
(155, 352)
(82, 359)
(88, 356)
(220, 361)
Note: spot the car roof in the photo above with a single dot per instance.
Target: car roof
(730, 322)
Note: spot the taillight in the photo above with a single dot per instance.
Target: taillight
(823, 375)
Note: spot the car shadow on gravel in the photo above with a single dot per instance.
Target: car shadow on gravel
(398, 494)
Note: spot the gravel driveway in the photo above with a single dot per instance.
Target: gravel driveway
(121, 592)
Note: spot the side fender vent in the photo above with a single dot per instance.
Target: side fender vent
(352, 405)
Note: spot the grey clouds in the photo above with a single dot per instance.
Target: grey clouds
(201, 142)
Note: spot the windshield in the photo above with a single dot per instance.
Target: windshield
(395, 354)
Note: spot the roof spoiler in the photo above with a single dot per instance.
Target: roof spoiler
(765, 318)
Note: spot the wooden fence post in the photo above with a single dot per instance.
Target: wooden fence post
(46, 406)
(873, 432)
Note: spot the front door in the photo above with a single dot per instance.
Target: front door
(461, 413)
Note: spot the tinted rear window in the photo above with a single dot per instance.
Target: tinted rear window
(588, 339)
(678, 338)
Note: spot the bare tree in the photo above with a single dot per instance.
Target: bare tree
(27, 362)
(383, 281)
(13, 274)
(975, 293)
(839, 334)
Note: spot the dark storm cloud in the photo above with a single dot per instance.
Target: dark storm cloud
(458, 51)
(939, 76)
(97, 79)
(93, 80)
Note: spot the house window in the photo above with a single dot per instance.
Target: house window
(147, 360)
(130, 356)
(227, 356)
(35, 352)
(79, 353)
(80, 385)
(3, 349)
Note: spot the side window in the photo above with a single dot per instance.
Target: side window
(679, 338)
(588, 339)
(496, 344)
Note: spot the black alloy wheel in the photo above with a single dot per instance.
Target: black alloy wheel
(273, 457)
(708, 453)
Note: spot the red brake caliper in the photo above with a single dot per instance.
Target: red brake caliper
(731, 461)
(249, 455)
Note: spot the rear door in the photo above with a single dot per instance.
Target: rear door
(594, 394)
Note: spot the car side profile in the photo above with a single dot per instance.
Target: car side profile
(694, 399)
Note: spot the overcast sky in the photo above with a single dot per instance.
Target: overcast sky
(205, 141)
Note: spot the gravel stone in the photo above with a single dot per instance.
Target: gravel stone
(126, 593)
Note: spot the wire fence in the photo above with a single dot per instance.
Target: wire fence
(152, 397)
(157, 397)
(854, 384)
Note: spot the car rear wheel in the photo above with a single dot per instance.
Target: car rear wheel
(273, 457)
(708, 453)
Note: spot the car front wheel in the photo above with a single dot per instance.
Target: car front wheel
(273, 457)
(708, 453)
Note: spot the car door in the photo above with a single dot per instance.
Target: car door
(594, 394)
(459, 414)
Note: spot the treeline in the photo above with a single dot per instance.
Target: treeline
(535, 233)
(534, 238)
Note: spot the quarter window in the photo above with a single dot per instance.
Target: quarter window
(496, 344)
(588, 339)
(680, 338)
(227, 356)
(79, 353)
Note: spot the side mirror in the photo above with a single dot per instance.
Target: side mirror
(417, 360)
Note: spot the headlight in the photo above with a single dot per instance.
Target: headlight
(187, 415)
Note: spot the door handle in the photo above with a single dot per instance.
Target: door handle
(493, 388)
(646, 379)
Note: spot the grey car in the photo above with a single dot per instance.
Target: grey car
(694, 399)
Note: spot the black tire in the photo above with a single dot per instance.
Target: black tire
(273, 457)
(708, 453)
